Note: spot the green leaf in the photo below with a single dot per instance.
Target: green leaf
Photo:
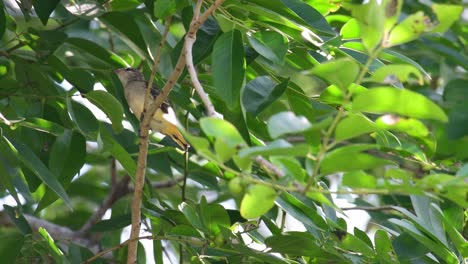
(164, 8)
(129, 29)
(427, 217)
(446, 16)
(407, 248)
(8, 173)
(448, 186)
(83, 118)
(286, 123)
(392, 13)
(2, 20)
(50, 241)
(114, 223)
(11, 243)
(458, 240)
(219, 128)
(33, 163)
(332, 95)
(270, 45)
(258, 200)
(279, 147)
(340, 72)
(350, 158)
(398, 58)
(371, 20)
(124, 5)
(228, 65)
(192, 215)
(302, 210)
(18, 219)
(352, 126)
(457, 126)
(294, 243)
(383, 246)
(43, 125)
(291, 166)
(455, 92)
(310, 15)
(118, 152)
(400, 101)
(410, 126)
(259, 93)
(44, 8)
(446, 255)
(81, 79)
(104, 55)
(67, 157)
(389, 74)
(359, 179)
(351, 29)
(409, 29)
(353, 243)
(213, 216)
(110, 106)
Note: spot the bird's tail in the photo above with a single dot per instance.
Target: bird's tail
(172, 131)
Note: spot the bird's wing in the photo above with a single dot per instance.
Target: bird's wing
(165, 105)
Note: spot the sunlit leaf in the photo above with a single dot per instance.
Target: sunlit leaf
(341, 72)
(110, 106)
(257, 201)
(399, 101)
(286, 123)
(351, 158)
(409, 29)
(446, 16)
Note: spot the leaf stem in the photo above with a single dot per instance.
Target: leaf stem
(326, 143)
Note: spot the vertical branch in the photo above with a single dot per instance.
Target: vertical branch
(146, 118)
(143, 134)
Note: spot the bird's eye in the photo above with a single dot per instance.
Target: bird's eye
(128, 69)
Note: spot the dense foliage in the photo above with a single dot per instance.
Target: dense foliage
(321, 102)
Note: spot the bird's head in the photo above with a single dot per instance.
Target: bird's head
(129, 74)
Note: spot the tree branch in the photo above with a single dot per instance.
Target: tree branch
(269, 167)
(146, 117)
(189, 41)
(59, 233)
(371, 208)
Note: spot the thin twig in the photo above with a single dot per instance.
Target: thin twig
(371, 208)
(269, 167)
(113, 172)
(190, 39)
(157, 59)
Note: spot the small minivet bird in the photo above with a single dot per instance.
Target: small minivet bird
(134, 85)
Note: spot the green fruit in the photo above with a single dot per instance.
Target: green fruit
(236, 186)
